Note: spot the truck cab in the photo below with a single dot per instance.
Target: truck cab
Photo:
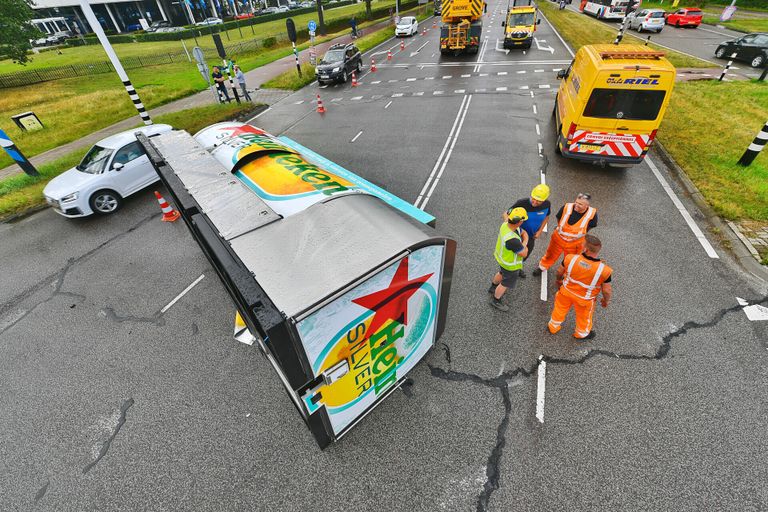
(611, 102)
(520, 26)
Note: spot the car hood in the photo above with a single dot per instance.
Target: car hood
(68, 182)
(403, 27)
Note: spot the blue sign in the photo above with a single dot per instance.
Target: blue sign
(311, 25)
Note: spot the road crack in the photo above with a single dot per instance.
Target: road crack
(502, 383)
(105, 447)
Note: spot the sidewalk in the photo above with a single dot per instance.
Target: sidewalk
(255, 77)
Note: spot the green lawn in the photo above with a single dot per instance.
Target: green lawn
(706, 129)
(580, 29)
(742, 25)
(21, 192)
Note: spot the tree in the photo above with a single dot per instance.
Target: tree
(16, 30)
(368, 14)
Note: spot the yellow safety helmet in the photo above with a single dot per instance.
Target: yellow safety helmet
(515, 215)
(540, 192)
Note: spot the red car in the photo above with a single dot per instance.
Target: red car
(686, 17)
(243, 16)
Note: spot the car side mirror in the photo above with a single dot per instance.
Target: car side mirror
(117, 166)
(503, 24)
(561, 74)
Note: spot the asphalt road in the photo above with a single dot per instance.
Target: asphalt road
(700, 42)
(111, 400)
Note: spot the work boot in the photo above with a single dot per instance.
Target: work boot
(589, 336)
(492, 288)
(536, 272)
(522, 274)
(498, 304)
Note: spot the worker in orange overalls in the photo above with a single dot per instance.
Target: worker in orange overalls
(573, 222)
(580, 279)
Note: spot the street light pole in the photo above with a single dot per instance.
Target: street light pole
(96, 27)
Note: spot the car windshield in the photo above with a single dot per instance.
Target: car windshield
(624, 104)
(333, 56)
(95, 160)
(406, 21)
(524, 18)
(657, 14)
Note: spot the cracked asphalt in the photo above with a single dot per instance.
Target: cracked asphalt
(108, 403)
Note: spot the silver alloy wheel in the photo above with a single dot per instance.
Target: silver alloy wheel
(105, 202)
(758, 61)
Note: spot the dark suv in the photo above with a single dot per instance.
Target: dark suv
(338, 63)
(752, 48)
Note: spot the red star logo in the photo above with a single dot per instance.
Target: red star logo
(240, 130)
(391, 303)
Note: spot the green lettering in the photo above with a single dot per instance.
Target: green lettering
(330, 191)
(310, 176)
(386, 358)
(389, 333)
(357, 331)
(383, 381)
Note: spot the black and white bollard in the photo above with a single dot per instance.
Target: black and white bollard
(231, 82)
(620, 35)
(22, 161)
(647, 40)
(726, 68)
(754, 149)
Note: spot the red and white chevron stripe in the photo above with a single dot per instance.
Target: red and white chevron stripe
(613, 144)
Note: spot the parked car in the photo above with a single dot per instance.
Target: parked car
(169, 29)
(686, 17)
(113, 169)
(209, 21)
(647, 19)
(752, 48)
(244, 16)
(338, 62)
(156, 25)
(283, 8)
(133, 27)
(305, 5)
(407, 26)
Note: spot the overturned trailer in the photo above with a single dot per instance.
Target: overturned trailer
(343, 286)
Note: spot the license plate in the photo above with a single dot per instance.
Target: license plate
(590, 147)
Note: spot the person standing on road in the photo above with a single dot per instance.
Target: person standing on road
(219, 79)
(580, 279)
(510, 251)
(538, 208)
(574, 220)
(240, 76)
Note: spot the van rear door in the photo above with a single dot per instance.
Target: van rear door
(621, 111)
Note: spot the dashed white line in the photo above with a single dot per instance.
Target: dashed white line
(681, 208)
(410, 79)
(446, 77)
(437, 93)
(483, 74)
(480, 90)
(502, 73)
(541, 385)
(535, 110)
(356, 136)
(459, 91)
(299, 102)
(538, 70)
(391, 81)
(376, 82)
(356, 98)
(184, 292)
(521, 72)
(429, 78)
(544, 86)
(465, 76)
(421, 93)
(388, 104)
(397, 95)
(541, 149)
(501, 89)
(538, 131)
(523, 87)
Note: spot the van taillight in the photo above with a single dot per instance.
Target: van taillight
(572, 130)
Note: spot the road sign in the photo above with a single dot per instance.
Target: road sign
(197, 53)
(291, 27)
(312, 26)
(7, 144)
(728, 13)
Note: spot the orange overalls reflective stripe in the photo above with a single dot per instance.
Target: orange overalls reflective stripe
(567, 239)
(582, 283)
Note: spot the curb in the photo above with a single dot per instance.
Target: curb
(730, 239)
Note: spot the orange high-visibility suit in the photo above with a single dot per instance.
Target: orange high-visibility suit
(567, 238)
(582, 283)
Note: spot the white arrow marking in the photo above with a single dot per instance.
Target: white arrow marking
(544, 48)
(506, 52)
(755, 312)
(419, 49)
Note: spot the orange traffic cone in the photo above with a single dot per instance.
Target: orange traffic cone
(373, 65)
(320, 107)
(354, 79)
(169, 214)
(434, 23)
(402, 45)
(389, 54)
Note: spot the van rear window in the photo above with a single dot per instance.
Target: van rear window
(624, 104)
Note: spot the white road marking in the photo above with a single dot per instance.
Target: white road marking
(543, 289)
(755, 312)
(687, 216)
(299, 102)
(557, 69)
(501, 89)
(523, 87)
(337, 99)
(483, 74)
(502, 73)
(410, 79)
(544, 86)
(521, 72)
(376, 82)
(356, 98)
(356, 136)
(535, 110)
(538, 131)
(436, 93)
(538, 70)
(531, 93)
(459, 91)
(480, 90)
(558, 35)
(391, 81)
(397, 95)
(429, 78)
(453, 135)
(465, 76)
(184, 292)
(419, 93)
(541, 149)
(388, 104)
(541, 385)
(446, 77)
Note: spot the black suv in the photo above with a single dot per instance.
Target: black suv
(338, 63)
(752, 48)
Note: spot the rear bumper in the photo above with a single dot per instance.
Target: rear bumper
(601, 159)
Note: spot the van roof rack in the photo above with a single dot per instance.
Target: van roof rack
(627, 54)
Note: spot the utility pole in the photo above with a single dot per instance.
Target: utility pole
(96, 27)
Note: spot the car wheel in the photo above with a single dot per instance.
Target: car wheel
(357, 68)
(658, 31)
(758, 61)
(344, 76)
(105, 202)
(720, 52)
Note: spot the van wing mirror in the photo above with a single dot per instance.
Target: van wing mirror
(503, 24)
(562, 74)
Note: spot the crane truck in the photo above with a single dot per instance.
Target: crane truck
(462, 26)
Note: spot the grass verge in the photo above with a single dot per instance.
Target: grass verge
(740, 25)
(707, 127)
(580, 29)
(21, 192)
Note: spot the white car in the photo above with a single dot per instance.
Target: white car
(209, 21)
(113, 169)
(647, 19)
(283, 8)
(407, 26)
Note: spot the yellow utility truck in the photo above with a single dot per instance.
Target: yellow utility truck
(520, 24)
(462, 26)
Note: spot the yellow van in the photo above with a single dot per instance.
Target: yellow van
(610, 103)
